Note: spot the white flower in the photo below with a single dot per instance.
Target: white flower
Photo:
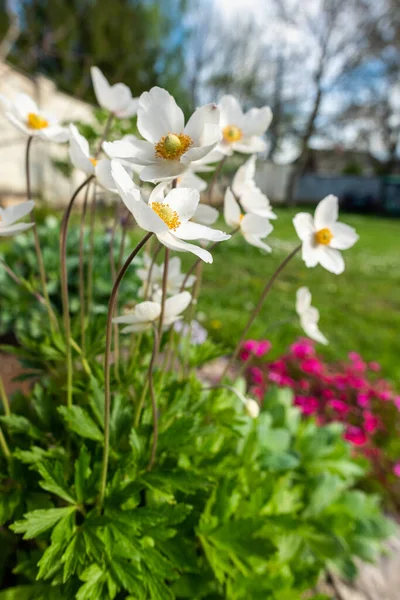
(242, 132)
(323, 236)
(25, 115)
(250, 196)
(205, 165)
(146, 313)
(205, 214)
(175, 277)
(309, 315)
(169, 147)
(115, 98)
(11, 214)
(82, 159)
(168, 217)
(252, 227)
(252, 408)
(198, 334)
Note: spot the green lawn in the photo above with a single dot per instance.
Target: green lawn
(360, 309)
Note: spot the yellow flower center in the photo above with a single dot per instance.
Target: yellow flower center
(36, 121)
(173, 145)
(232, 134)
(165, 212)
(93, 161)
(323, 236)
(241, 217)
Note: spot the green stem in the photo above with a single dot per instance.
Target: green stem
(91, 252)
(82, 271)
(156, 346)
(4, 399)
(4, 445)
(214, 180)
(257, 309)
(64, 286)
(107, 361)
(164, 293)
(140, 405)
(39, 255)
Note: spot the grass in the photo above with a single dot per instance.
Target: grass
(360, 309)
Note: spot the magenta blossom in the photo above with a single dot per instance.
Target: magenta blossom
(255, 348)
(396, 469)
(355, 435)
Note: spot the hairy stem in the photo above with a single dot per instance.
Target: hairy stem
(4, 445)
(64, 286)
(82, 271)
(151, 268)
(91, 251)
(107, 361)
(164, 293)
(258, 307)
(214, 180)
(39, 255)
(4, 399)
(156, 346)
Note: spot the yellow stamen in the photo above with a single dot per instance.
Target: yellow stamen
(241, 217)
(232, 133)
(36, 121)
(165, 212)
(323, 236)
(173, 145)
(93, 161)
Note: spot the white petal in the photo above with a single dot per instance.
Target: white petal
(12, 214)
(331, 259)
(79, 152)
(231, 111)
(304, 225)
(142, 313)
(191, 180)
(250, 145)
(13, 229)
(184, 201)
(147, 219)
(303, 300)
(137, 328)
(255, 240)
(158, 115)
(309, 253)
(256, 121)
(199, 152)
(195, 231)
(243, 175)
(104, 175)
(326, 213)
(174, 243)
(102, 89)
(309, 322)
(130, 150)
(205, 115)
(175, 305)
(205, 214)
(18, 123)
(126, 187)
(344, 236)
(231, 209)
(120, 99)
(56, 134)
(23, 105)
(162, 170)
(255, 225)
(130, 109)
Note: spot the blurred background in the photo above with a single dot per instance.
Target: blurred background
(329, 69)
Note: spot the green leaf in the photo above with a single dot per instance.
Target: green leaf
(82, 472)
(93, 588)
(39, 521)
(51, 559)
(54, 480)
(80, 422)
(8, 504)
(73, 556)
(18, 425)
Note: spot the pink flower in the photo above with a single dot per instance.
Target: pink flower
(327, 394)
(339, 406)
(308, 404)
(255, 348)
(363, 400)
(396, 469)
(258, 392)
(311, 365)
(355, 435)
(304, 348)
(374, 366)
(396, 402)
(256, 375)
(371, 422)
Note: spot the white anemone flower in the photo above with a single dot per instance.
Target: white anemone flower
(115, 98)
(170, 146)
(25, 115)
(205, 214)
(241, 132)
(251, 197)
(252, 408)
(82, 159)
(147, 313)
(10, 215)
(175, 276)
(167, 216)
(309, 315)
(252, 227)
(205, 165)
(323, 237)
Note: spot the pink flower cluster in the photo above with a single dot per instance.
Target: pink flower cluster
(351, 392)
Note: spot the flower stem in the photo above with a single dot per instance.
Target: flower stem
(258, 307)
(39, 255)
(156, 346)
(105, 133)
(149, 274)
(164, 294)
(214, 180)
(91, 251)
(4, 399)
(4, 445)
(64, 286)
(107, 357)
(82, 271)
